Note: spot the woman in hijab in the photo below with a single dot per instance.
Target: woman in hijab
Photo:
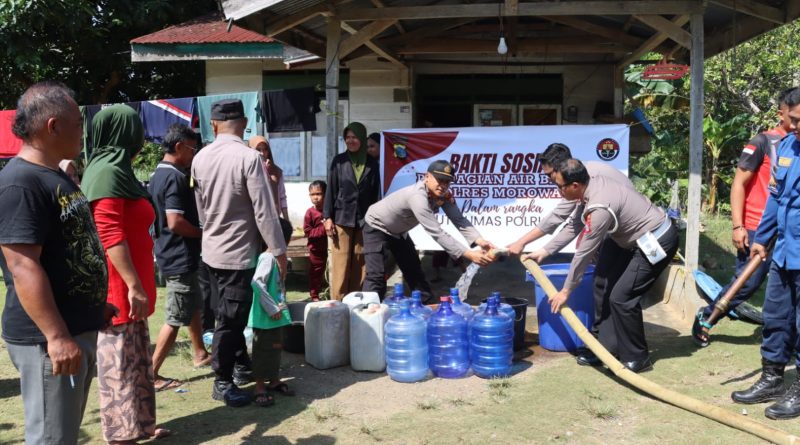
(275, 174)
(123, 214)
(352, 187)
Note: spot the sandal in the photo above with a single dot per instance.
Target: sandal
(263, 399)
(701, 331)
(167, 383)
(161, 433)
(282, 388)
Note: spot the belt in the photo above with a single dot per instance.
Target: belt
(662, 229)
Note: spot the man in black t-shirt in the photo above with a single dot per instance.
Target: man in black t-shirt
(177, 248)
(55, 268)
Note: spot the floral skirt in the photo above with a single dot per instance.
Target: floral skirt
(126, 382)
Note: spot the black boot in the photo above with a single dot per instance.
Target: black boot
(769, 387)
(788, 406)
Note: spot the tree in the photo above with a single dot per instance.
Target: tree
(741, 86)
(723, 141)
(85, 44)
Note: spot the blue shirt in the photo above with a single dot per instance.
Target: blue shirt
(782, 214)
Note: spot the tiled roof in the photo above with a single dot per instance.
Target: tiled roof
(207, 29)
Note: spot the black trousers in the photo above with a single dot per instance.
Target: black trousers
(210, 297)
(376, 244)
(228, 349)
(621, 277)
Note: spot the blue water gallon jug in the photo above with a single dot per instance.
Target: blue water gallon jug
(503, 308)
(406, 346)
(459, 307)
(417, 308)
(394, 301)
(491, 342)
(448, 343)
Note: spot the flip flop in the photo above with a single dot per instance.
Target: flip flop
(168, 384)
(161, 433)
(263, 399)
(282, 388)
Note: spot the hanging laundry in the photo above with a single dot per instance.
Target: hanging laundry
(290, 110)
(158, 115)
(9, 144)
(251, 111)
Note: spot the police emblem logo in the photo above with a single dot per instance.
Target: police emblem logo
(607, 149)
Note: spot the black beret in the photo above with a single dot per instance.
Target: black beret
(227, 109)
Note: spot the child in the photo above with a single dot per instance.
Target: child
(317, 239)
(268, 315)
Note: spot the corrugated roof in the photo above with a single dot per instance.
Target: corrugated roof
(207, 29)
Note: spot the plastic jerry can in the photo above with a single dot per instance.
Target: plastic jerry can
(327, 334)
(367, 324)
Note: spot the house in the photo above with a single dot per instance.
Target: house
(413, 63)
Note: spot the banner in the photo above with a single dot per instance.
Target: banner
(499, 185)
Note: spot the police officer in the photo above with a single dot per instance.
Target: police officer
(552, 156)
(782, 301)
(641, 242)
(389, 220)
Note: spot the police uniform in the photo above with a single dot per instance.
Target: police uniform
(389, 220)
(625, 270)
(565, 209)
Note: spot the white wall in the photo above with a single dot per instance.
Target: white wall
(233, 76)
(372, 86)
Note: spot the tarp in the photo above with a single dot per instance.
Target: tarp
(499, 185)
(9, 144)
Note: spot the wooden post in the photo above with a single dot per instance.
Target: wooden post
(332, 85)
(695, 149)
(619, 91)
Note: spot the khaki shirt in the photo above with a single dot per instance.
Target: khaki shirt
(401, 211)
(235, 205)
(635, 214)
(565, 209)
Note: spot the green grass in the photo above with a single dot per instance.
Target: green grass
(554, 401)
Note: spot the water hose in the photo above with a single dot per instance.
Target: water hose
(721, 306)
(704, 409)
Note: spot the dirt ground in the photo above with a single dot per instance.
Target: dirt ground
(377, 394)
(548, 399)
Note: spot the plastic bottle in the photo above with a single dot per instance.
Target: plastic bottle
(417, 308)
(459, 307)
(394, 301)
(448, 344)
(491, 342)
(248, 338)
(406, 346)
(503, 308)
(208, 337)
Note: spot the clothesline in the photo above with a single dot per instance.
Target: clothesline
(267, 111)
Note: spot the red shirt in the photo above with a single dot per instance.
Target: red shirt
(755, 157)
(118, 220)
(315, 232)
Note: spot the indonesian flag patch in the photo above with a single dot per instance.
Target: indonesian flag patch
(587, 229)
